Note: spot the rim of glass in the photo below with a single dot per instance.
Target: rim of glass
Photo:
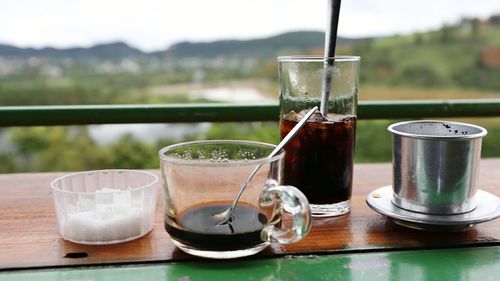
(154, 179)
(251, 162)
(394, 130)
(312, 58)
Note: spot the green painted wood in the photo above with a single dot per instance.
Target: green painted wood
(429, 265)
(429, 108)
(175, 113)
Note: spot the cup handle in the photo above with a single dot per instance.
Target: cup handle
(286, 200)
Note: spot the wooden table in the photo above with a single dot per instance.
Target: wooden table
(358, 243)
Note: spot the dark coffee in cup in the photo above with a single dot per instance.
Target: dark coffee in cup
(319, 159)
(197, 227)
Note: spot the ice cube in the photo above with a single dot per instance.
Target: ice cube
(317, 117)
(296, 117)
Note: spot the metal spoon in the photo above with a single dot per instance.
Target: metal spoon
(225, 216)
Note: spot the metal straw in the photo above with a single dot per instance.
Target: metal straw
(330, 44)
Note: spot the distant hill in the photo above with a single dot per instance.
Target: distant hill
(261, 48)
(463, 55)
(116, 50)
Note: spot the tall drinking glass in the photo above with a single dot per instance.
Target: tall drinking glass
(319, 160)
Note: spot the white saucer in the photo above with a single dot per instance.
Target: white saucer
(488, 208)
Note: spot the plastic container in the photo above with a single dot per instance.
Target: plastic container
(105, 206)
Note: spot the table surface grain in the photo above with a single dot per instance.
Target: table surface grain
(29, 237)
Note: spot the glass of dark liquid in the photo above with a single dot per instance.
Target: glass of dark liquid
(319, 160)
(201, 179)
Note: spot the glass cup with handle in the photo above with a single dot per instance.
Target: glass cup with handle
(201, 178)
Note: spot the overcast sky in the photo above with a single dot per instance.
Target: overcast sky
(156, 24)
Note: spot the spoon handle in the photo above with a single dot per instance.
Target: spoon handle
(282, 144)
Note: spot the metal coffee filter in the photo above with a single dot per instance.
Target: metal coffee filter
(435, 166)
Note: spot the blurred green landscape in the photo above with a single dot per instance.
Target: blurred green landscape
(459, 61)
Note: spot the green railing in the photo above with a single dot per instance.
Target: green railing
(174, 113)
